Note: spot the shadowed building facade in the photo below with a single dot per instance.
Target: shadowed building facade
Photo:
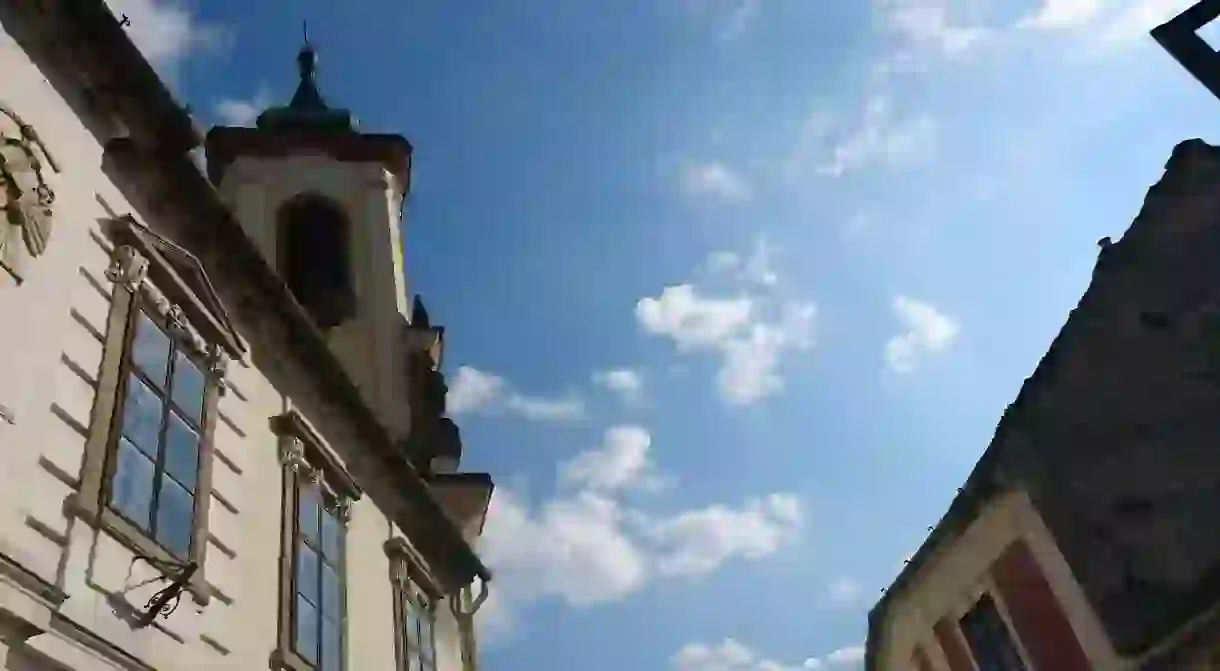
(1085, 536)
(223, 441)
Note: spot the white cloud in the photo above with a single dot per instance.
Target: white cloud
(877, 138)
(692, 320)
(621, 462)
(587, 545)
(844, 591)
(243, 112)
(715, 180)
(850, 655)
(929, 25)
(1137, 17)
(697, 542)
(757, 268)
(541, 409)
(743, 14)
(749, 346)
(166, 32)
(926, 331)
(750, 332)
(1064, 13)
(730, 655)
(473, 391)
(625, 382)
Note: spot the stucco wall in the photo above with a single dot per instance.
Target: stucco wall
(51, 330)
(952, 581)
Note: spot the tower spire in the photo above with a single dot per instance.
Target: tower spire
(307, 108)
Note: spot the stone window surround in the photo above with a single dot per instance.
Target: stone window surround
(133, 290)
(307, 461)
(410, 581)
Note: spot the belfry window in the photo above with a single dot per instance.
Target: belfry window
(315, 258)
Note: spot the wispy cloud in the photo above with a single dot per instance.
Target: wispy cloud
(476, 391)
(715, 180)
(926, 330)
(628, 383)
(243, 111)
(730, 655)
(929, 25)
(167, 33)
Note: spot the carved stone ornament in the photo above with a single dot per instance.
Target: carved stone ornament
(292, 456)
(128, 267)
(26, 198)
(220, 369)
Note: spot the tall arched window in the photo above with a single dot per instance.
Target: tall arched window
(315, 257)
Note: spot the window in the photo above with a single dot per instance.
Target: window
(317, 498)
(314, 258)
(148, 459)
(414, 608)
(318, 589)
(989, 639)
(153, 471)
(418, 639)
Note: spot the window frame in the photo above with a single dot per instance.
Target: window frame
(989, 604)
(308, 462)
(133, 293)
(412, 584)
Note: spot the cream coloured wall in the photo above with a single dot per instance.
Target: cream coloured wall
(952, 581)
(368, 345)
(51, 330)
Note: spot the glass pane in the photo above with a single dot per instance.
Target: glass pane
(332, 594)
(332, 532)
(306, 640)
(151, 350)
(308, 512)
(175, 518)
(307, 573)
(132, 487)
(426, 642)
(332, 646)
(181, 451)
(188, 387)
(142, 416)
(412, 624)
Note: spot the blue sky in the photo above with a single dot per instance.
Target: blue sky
(735, 290)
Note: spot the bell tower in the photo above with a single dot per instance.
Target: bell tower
(323, 201)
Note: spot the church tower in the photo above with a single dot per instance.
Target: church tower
(324, 201)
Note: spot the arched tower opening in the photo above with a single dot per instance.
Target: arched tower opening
(315, 257)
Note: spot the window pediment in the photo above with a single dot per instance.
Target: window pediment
(181, 276)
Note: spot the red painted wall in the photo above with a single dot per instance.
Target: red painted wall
(1036, 615)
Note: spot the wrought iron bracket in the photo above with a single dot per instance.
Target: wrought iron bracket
(165, 601)
(1180, 37)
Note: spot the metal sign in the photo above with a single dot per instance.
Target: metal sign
(1180, 37)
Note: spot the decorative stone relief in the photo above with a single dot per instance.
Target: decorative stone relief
(128, 267)
(292, 456)
(25, 196)
(220, 369)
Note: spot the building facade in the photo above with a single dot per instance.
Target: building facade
(1085, 536)
(223, 440)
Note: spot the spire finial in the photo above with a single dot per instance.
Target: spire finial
(305, 31)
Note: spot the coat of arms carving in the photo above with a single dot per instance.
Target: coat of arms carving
(26, 198)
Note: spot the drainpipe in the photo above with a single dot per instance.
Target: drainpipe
(465, 622)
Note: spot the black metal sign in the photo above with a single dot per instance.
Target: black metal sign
(1180, 37)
